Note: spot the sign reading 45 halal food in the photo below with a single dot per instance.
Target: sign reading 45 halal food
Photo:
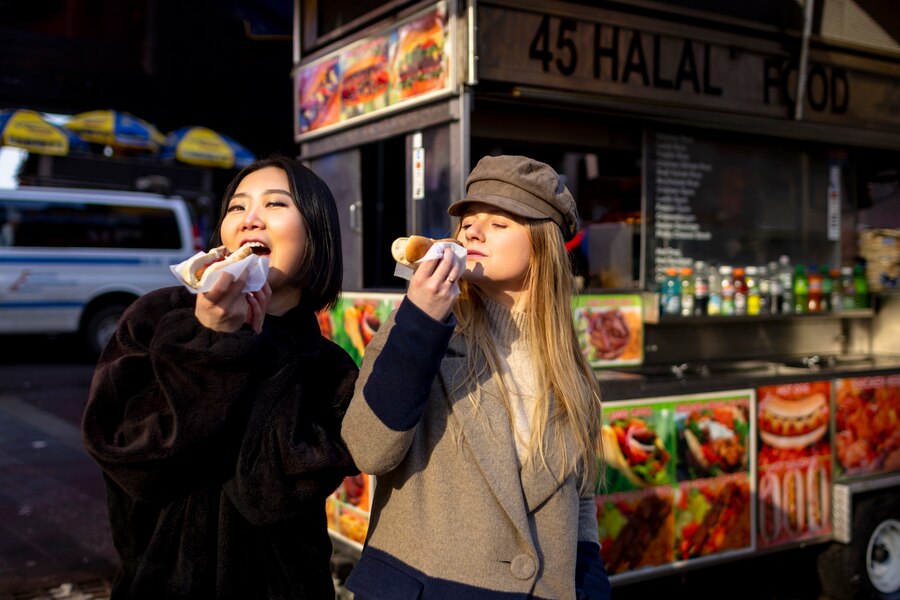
(613, 54)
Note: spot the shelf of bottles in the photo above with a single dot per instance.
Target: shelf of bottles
(777, 290)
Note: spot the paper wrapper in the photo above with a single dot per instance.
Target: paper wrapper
(257, 267)
(435, 252)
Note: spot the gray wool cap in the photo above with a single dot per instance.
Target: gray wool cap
(521, 186)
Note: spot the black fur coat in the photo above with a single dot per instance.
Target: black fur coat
(218, 451)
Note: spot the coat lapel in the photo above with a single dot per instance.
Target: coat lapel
(487, 434)
(540, 482)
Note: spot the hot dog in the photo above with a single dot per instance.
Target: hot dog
(408, 250)
(793, 423)
(818, 495)
(195, 272)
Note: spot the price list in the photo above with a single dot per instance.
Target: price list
(677, 179)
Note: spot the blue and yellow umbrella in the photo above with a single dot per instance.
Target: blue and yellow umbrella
(29, 130)
(204, 147)
(117, 129)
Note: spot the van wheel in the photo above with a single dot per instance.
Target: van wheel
(869, 566)
(101, 325)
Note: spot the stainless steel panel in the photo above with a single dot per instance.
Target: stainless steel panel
(342, 174)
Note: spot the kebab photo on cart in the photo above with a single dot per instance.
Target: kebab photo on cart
(635, 449)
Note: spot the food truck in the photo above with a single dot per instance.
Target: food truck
(719, 162)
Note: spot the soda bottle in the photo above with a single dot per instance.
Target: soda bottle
(671, 296)
(801, 290)
(786, 274)
(740, 291)
(848, 289)
(860, 287)
(753, 295)
(727, 290)
(835, 301)
(701, 289)
(714, 306)
(687, 292)
(776, 290)
(814, 289)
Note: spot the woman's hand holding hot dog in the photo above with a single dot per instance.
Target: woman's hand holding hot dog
(225, 308)
(434, 288)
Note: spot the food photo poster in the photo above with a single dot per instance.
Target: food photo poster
(794, 462)
(409, 61)
(678, 480)
(866, 424)
(353, 321)
(610, 329)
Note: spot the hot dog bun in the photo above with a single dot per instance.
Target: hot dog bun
(408, 250)
(197, 271)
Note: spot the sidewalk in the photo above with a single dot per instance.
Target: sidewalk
(54, 534)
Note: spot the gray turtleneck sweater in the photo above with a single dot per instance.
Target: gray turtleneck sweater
(510, 333)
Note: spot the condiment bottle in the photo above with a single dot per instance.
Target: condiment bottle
(701, 289)
(687, 292)
(740, 291)
(671, 296)
(814, 289)
(848, 289)
(860, 287)
(714, 306)
(826, 288)
(753, 295)
(765, 291)
(801, 290)
(776, 290)
(727, 290)
(836, 301)
(786, 275)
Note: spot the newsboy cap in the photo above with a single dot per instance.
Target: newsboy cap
(521, 186)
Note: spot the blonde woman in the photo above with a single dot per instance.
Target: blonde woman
(478, 414)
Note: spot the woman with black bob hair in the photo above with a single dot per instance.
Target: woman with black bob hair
(322, 268)
(216, 416)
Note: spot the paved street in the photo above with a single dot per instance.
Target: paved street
(54, 536)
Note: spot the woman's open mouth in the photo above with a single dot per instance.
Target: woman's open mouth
(259, 248)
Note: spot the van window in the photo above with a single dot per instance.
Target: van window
(63, 224)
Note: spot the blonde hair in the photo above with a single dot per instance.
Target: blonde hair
(567, 393)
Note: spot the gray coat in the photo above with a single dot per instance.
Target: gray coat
(453, 515)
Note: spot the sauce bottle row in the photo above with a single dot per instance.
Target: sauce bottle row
(775, 288)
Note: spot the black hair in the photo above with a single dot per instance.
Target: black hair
(321, 270)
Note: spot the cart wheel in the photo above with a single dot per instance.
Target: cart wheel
(869, 566)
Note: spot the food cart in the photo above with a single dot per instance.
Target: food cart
(685, 138)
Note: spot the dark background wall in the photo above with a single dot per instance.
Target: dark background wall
(224, 64)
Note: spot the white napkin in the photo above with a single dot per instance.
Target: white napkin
(257, 267)
(436, 251)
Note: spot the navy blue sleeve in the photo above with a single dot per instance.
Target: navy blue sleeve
(591, 580)
(404, 372)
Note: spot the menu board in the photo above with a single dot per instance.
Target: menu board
(411, 60)
(678, 479)
(867, 421)
(610, 329)
(352, 323)
(794, 462)
(734, 202)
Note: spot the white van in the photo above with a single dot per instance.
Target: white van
(72, 260)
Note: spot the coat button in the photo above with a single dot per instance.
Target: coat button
(523, 567)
